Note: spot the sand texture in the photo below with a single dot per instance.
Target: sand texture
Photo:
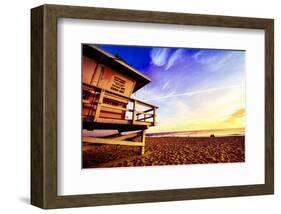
(167, 151)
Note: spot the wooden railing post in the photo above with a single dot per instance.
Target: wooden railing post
(134, 111)
(154, 116)
(143, 142)
(99, 104)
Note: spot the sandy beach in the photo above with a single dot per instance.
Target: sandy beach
(167, 151)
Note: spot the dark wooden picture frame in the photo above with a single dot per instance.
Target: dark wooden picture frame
(44, 106)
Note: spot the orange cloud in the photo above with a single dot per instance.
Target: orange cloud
(237, 115)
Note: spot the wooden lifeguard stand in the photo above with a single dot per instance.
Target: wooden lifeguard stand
(108, 83)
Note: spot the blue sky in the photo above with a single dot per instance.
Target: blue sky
(195, 89)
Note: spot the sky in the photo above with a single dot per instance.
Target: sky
(195, 89)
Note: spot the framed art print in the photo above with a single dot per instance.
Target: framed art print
(140, 106)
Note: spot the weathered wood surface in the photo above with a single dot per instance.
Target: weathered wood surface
(111, 141)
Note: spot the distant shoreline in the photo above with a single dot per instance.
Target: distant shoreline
(201, 133)
(190, 136)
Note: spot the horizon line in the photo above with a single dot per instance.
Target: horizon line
(198, 130)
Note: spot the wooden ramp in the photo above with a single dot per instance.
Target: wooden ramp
(125, 140)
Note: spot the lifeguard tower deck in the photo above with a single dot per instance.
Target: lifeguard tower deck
(108, 83)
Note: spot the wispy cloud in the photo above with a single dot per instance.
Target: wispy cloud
(209, 56)
(164, 57)
(217, 60)
(165, 85)
(189, 93)
(159, 56)
(178, 54)
(197, 54)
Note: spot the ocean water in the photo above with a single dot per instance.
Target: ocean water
(201, 133)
